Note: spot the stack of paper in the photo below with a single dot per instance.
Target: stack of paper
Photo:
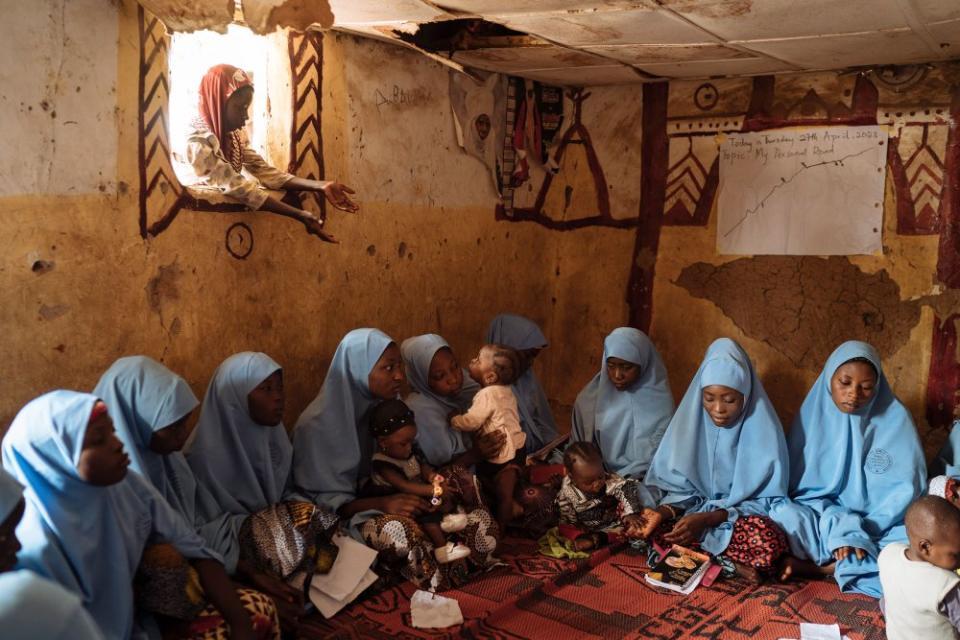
(819, 632)
(348, 577)
(430, 611)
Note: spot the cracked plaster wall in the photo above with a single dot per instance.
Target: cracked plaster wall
(425, 253)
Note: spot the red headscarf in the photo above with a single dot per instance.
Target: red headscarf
(218, 84)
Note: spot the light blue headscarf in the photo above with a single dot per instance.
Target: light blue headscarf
(87, 538)
(855, 474)
(143, 397)
(536, 418)
(332, 445)
(11, 492)
(243, 465)
(438, 441)
(947, 462)
(742, 467)
(33, 607)
(627, 425)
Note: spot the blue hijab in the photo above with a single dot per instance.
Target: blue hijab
(34, 607)
(627, 425)
(742, 467)
(87, 538)
(332, 446)
(536, 418)
(947, 462)
(11, 492)
(244, 466)
(143, 397)
(859, 471)
(438, 441)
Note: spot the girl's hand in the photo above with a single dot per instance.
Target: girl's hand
(336, 194)
(842, 553)
(689, 529)
(490, 444)
(641, 525)
(404, 504)
(315, 228)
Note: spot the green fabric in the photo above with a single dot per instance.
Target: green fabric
(553, 545)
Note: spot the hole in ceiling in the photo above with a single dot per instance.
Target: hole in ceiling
(465, 34)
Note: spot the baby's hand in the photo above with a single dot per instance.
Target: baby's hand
(452, 415)
(641, 525)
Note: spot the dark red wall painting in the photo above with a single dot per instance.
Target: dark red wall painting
(306, 138)
(576, 134)
(943, 385)
(162, 197)
(653, 183)
(948, 259)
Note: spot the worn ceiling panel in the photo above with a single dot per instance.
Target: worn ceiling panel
(581, 76)
(643, 53)
(760, 19)
(708, 68)
(835, 52)
(358, 12)
(936, 10)
(514, 7)
(644, 26)
(522, 58)
(195, 16)
(946, 33)
(265, 16)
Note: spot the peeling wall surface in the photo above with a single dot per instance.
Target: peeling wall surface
(58, 97)
(429, 251)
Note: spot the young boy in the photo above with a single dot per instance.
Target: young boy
(494, 409)
(920, 589)
(597, 506)
(398, 467)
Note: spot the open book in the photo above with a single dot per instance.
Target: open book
(680, 570)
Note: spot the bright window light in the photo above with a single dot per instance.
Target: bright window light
(191, 54)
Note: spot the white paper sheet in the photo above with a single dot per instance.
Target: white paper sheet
(351, 566)
(329, 606)
(816, 191)
(430, 611)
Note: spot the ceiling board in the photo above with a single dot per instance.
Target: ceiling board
(762, 19)
(357, 12)
(709, 68)
(832, 52)
(520, 58)
(514, 7)
(581, 76)
(637, 26)
(643, 53)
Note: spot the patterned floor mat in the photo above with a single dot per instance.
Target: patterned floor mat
(605, 596)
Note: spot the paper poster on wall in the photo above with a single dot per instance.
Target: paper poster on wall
(815, 191)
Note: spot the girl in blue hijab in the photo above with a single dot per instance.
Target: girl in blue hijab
(723, 463)
(947, 462)
(88, 521)
(535, 414)
(31, 606)
(439, 388)
(332, 451)
(856, 464)
(627, 406)
(241, 457)
(150, 406)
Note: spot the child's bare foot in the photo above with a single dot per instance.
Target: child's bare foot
(791, 567)
(748, 572)
(583, 544)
